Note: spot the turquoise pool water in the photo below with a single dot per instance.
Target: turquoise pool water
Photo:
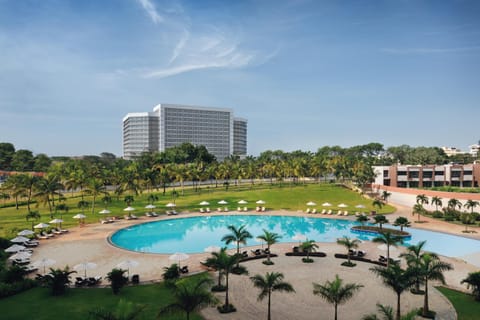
(193, 234)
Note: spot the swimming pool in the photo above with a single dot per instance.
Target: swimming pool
(193, 234)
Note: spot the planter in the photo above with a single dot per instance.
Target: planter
(376, 230)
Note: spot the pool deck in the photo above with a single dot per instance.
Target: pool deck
(89, 243)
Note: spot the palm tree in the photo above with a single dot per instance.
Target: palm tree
(362, 219)
(335, 292)
(454, 203)
(239, 236)
(125, 310)
(117, 279)
(473, 281)
(386, 195)
(95, 187)
(270, 238)
(413, 256)
(271, 282)
(216, 261)
(387, 313)
(190, 295)
(308, 247)
(388, 239)
(397, 279)
(402, 222)
(437, 202)
(422, 199)
(380, 220)
(431, 268)
(34, 215)
(47, 188)
(349, 244)
(377, 203)
(470, 204)
(418, 209)
(229, 264)
(58, 280)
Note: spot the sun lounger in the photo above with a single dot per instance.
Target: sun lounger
(225, 209)
(324, 211)
(263, 209)
(219, 209)
(31, 243)
(30, 268)
(245, 254)
(257, 209)
(329, 211)
(154, 214)
(295, 249)
(202, 210)
(208, 210)
(239, 209)
(184, 269)
(80, 281)
(308, 210)
(314, 211)
(135, 279)
(93, 281)
(361, 253)
(345, 213)
(339, 213)
(245, 209)
(257, 252)
(40, 236)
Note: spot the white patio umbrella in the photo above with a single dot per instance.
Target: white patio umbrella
(84, 267)
(41, 226)
(342, 205)
(104, 211)
(222, 202)
(211, 249)
(19, 239)
(20, 256)
(242, 202)
(25, 233)
(129, 209)
(360, 206)
(179, 256)
(170, 205)
(44, 262)
(56, 221)
(127, 264)
(326, 204)
(79, 216)
(204, 203)
(311, 203)
(260, 202)
(150, 206)
(15, 248)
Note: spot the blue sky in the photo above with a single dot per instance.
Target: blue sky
(304, 73)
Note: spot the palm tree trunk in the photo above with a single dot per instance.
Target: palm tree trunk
(398, 306)
(388, 255)
(335, 311)
(226, 291)
(16, 202)
(425, 299)
(269, 304)
(188, 315)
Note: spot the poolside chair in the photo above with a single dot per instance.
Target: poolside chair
(154, 214)
(329, 211)
(257, 209)
(245, 209)
(244, 254)
(148, 214)
(225, 209)
(41, 236)
(31, 243)
(361, 253)
(314, 211)
(135, 279)
(257, 252)
(239, 209)
(324, 211)
(339, 213)
(184, 269)
(357, 214)
(202, 210)
(308, 210)
(208, 210)
(295, 249)
(263, 209)
(345, 213)
(219, 209)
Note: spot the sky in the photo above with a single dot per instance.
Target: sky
(305, 74)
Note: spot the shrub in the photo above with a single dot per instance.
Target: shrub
(117, 279)
(171, 274)
(307, 260)
(226, 309)
(10, 289)
(437, 214)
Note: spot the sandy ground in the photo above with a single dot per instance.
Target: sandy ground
(89, 244)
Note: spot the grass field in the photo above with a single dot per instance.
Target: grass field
(467, 308)
(285, 197)
(75, 305)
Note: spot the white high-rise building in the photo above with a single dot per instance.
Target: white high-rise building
(170, 125)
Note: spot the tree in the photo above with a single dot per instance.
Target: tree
(386, 195)
(397, 279)
(454, 203)
(190, 294)
(377, 203)
(228, 265)
(95, 187)
(270, 239)
(32, 215)
(362, 219)
(387, 313)
(47, 188)
(335, 292)
(58, 280)
(117, 279)
(473, 281)
(349, 244)
(269, 283)
(216, 261)
(436, 201)
(402, 222)
(418, 209)
(239, 236)
(431, 268)
(7, 150)
(388, 239)
(125, 310)
(380, 220)
(171, 273)
(413, 256)
(422, 199)
(471, 204)
(22, 160)
(308, 246)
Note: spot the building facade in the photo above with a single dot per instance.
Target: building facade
(170, 125)
(412, 176)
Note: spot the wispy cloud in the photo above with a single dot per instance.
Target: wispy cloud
(151, 11)
(179, 47)
(428, 50)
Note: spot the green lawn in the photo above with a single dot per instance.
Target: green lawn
(467, 308)
(40, 305)
(287, 197)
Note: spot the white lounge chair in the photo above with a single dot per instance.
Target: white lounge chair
(308, 210)
(202, 210)
(245, 209)
(345, 213)
(329, 211)
(324, 211)
(263, 209)
(314, 210)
